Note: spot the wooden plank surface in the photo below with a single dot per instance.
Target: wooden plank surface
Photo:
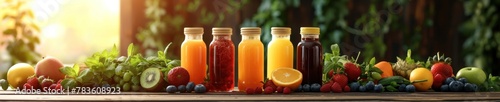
(229, 96)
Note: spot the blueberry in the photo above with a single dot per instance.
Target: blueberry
(410, 88)
(200, 88)
(378, 88)
(370, 85)
(456, 86)
(299, 89)
(354, 86)
(463, 80)
(315, 87)
(449, 80)
(181, 88)
(468, 87)
(171, 89)
(189, 87)
(445, 88)
(306, 88)
(402, 88)
(362, 89)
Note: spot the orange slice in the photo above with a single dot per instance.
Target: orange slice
(287, 77)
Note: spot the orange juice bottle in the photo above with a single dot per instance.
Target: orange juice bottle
(194, 54)
(250, 59)
(280, 50)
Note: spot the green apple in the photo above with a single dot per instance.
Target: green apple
(472, 74)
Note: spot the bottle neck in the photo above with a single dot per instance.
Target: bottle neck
(222, 37)
(281, 36)
(250, 37)
(194, 37)
(310, 36)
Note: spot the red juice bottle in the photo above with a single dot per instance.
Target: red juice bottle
(310, 56)
(221, 61)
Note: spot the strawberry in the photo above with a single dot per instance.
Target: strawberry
(27, 86)
(258, 90)
(325, 88)
(336, 88)
(46, 83)
(33, 81)
(353, 71)
(287, 90)
(442, 68)
(269, 83)
(347, 89)
(341, 79)
(249, 91)
(268, 90)
(279, 89)
(330, 74)
(438, 81)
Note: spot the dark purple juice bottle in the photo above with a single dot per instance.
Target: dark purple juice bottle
(310, 56)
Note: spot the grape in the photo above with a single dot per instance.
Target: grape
(118, 86)
(126, 87)
(135, 80)
(122, 82)
(127, 76)
(136, 87)
(118, 70)
(117, 79)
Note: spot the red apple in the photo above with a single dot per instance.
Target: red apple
(49, 67)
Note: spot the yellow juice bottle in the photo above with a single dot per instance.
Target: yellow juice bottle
(194, 54)
(280, 50)
(250, 59)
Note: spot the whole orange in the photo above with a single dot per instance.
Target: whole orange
(421, 74)
(386, 68)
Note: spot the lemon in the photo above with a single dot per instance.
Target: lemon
(19, 73)
(421, 74)
(287, 77)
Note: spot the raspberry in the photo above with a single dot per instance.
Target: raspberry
(249, 91)
(279, 89)
(258, 90)
(347, 89)
(326, 88)
(268, 90)
(33, 81)
(287, 90)
(27, 86)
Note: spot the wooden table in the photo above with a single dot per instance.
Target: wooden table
(230, 96)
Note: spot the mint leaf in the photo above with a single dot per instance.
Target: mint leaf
(131, 49)
(85, 76)
(68, 83)
(372, 61)
(335, 50)
(68, 71)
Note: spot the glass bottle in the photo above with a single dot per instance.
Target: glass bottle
(250, 59)
(310, 56)
(221, 61)
(279, 50)
(194, 54)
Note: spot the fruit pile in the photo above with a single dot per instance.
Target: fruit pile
(341, 74)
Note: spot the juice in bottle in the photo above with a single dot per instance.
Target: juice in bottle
(310, 56)
(280, 50)
(221, 61)
(194, 54)
(250, 59)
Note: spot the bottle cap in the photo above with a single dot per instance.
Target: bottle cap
(222, 31)
(281, 30)
(309, 30)
(193, 30)
(250, 31)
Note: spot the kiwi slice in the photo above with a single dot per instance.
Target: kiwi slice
(152, 79)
